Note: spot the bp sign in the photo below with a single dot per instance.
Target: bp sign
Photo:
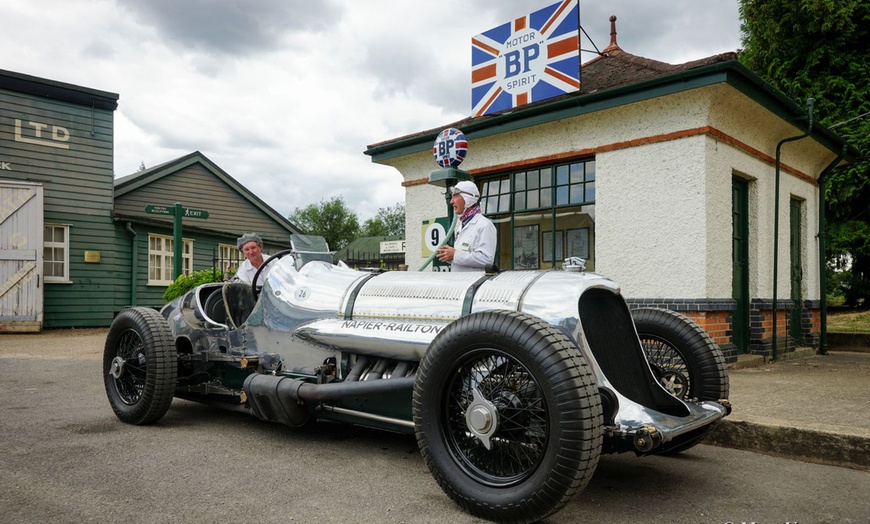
(450, 147)
(528, 59)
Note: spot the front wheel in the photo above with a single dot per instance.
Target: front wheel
(686, 360)
(139, 366)
(507, 416)
(688, 363)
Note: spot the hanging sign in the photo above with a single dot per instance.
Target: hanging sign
(531, 58)
(178, 212)
(450, 147)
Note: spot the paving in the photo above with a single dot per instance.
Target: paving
(805, 406)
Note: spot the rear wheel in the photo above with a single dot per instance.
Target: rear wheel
(139, 366)
(507, 416)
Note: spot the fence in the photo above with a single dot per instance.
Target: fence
(355, 259)
(361, 259)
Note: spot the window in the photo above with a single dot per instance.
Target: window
(161, 257)
(496, 197)
(55, 255)
(229, 258)
(543, 215)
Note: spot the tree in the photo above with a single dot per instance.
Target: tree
(821, 49)
(332, 220)
(389, 221)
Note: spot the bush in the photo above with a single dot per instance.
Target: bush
(185, 283)
(838, 283)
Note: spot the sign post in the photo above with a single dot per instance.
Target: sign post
(178, 212)
(449, 151)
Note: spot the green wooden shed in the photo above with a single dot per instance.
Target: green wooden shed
(57, 236)
(195, 182)
(76, 245)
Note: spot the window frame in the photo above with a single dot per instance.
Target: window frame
(167, 257)
(512, 198)
(54, 279)
(227, 262)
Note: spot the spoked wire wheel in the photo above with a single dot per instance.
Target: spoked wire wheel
(507, 416)
(495, 401)
(139, 366)
(668, 364)
(689, 363)
(129, 367)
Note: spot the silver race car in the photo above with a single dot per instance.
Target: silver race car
(513, 382)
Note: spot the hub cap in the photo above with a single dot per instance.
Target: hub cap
(482, 418)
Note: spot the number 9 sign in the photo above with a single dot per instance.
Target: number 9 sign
(432, 236)
(450, 148)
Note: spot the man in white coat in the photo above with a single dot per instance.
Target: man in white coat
(476, 236)
(251, 245)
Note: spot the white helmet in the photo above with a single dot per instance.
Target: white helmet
(469, 192)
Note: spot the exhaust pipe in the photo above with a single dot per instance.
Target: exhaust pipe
(279, 399)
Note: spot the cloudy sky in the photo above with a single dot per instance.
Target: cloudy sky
(285, 95)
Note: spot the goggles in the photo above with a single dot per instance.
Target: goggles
(454, 190)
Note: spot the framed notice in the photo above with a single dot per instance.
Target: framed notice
(578, 242)
(526, 247)
(547, 245)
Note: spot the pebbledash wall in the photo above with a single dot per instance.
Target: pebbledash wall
(668, 154)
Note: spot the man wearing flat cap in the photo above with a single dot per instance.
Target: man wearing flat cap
(476, 236)
(251, 245)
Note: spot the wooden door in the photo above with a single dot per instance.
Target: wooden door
(21, 225)
(797, 270)
(740, 263)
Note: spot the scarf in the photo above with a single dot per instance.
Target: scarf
(469, 213)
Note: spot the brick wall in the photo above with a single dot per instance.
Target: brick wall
(715, 316)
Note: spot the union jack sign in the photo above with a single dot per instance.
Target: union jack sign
(534, 57)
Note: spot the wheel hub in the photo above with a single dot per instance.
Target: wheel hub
(481, 417)
(675, 383)
(117, 368)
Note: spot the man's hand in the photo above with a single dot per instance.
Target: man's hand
(445, 253)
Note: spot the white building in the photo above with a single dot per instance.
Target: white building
(664, 177)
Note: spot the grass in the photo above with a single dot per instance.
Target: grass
(849, 321)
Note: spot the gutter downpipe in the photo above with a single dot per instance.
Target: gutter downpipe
(134, 264)
(810, 103)
(823, 262)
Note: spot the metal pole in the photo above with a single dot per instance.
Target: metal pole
(176, 240)
(810, 103)
(823, 262)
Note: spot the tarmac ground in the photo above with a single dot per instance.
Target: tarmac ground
(814, 408)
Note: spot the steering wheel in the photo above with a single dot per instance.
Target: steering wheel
(255, 289)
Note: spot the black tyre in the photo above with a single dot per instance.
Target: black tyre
(685, 359)
(688, 363)
(139, 366)
(507, 416)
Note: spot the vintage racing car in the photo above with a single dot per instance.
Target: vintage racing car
(512, 382)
